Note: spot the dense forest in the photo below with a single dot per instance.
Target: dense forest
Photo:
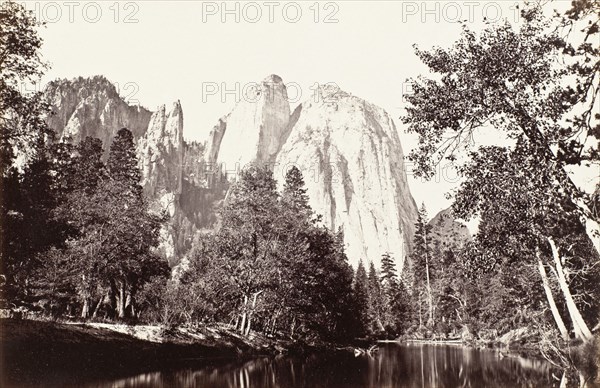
(78, 238)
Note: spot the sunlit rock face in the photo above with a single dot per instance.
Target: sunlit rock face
(347, 149)
(255, 129)
(160, 154)
(352, 161)
(92, 107)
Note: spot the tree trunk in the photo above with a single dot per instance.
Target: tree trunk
(247, 330)
(98, 306)
(121, 300)
(130, 304)
(85, 310)
(563, 380)
(420, 311)
(252, 312)
(555, 313)
(112, 300)
(429, 298)
(273, 324)
(532, 131)
(244, 311)
(579, 326)
(380, 324)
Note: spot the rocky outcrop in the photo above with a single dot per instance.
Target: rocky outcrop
(160, 154)
(448, 231)
(203, 189)
(254, 131)
(92, 107)
(352, 161)
(347, 149)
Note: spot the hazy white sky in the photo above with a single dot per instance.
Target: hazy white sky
(161, 51)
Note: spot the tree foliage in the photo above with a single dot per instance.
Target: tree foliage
(22, 125)
(271, 266)
(537, 85)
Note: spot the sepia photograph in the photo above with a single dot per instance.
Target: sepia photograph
(300, 194)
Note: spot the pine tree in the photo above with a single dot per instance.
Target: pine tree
(27, 224)
(396, 299)
(294, 191)
(422, 259)
(388, 269)
(376, 298)
(122, 165)
(89, 169)
(361, 296)
(135, 231)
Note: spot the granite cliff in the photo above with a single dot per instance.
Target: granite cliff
(347, 148)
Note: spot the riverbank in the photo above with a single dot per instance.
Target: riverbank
(572, 355)
(38, 353)
(51, 349)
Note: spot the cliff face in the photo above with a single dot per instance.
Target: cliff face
(254, 130)
(92, 107)
(347, 149)
(160, 151)
(160, 154)
(352, 161)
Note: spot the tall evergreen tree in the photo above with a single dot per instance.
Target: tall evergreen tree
(361, 296)
(28, 227)
(109, 251)
(294, 191)
(274, 267)
(135, 231)
(376, 299)
(122, 166)
(396, 307)
(245, 247)
(422, 263)
(388, 269)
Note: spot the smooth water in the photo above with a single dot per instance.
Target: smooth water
(394, 365)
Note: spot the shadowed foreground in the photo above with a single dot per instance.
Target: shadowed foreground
(34, 352)
(53, 354)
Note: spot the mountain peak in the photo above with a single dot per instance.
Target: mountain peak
(273, 78)
(91, 106)
(449, 230)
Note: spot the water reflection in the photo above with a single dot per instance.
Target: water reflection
(417, 366)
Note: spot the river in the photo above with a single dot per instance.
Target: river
(393, 365)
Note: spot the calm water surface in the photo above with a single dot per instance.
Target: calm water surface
(393, 366)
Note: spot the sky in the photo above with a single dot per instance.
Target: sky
(206, 53)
